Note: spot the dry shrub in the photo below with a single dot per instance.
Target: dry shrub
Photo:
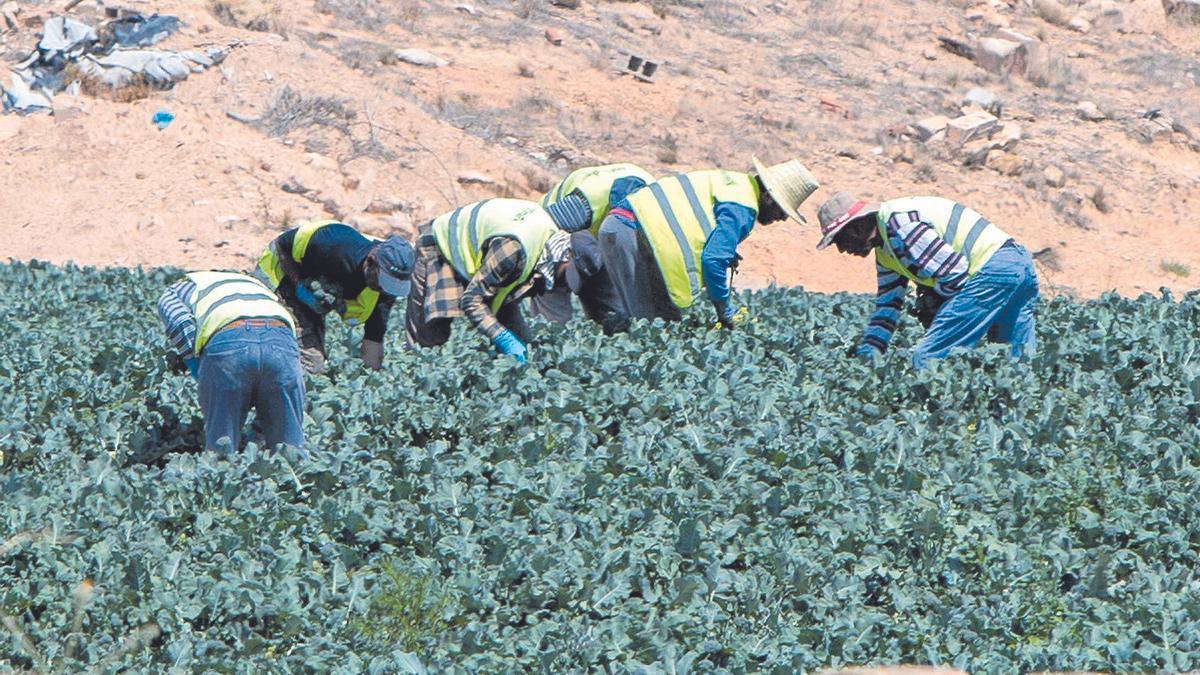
(256, 16)
(668, 149)
(371, 14)
(291, 110)
(1053, 72)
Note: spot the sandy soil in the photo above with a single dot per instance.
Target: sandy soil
(98, 184)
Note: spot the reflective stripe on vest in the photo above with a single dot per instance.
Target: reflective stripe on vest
(462, 234)
(967, 232)
(595, 184)
(358, 309)
(223, 297)
(676, 215)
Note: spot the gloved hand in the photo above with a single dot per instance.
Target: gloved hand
(371, 354)
(727, 318)
(312, 360)
(866, 352)
(510, 344)
(305, 295)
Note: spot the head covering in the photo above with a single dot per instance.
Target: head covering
(789, 184)
(837, 212)
(586, 261)
(558, 250)
(571, 213)
(395, 258)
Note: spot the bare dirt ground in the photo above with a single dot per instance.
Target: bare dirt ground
(340, 127)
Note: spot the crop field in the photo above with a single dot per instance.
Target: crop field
(672, 500)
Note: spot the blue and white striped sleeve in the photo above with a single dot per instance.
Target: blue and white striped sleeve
(926, 254)
(889, 302)
(177, 317)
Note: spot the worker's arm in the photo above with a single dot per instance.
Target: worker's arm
(175, 313)
(889, 301)
(622, 188)
(733, 224)
(282, 247)
(924, 253)
(502, 265)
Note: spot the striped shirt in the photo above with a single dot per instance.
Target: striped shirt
(175, 312)
(926, 256)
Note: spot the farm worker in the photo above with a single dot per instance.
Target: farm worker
(239, 342)
(669, 241)
(578, 202)
(323, 266)
(986, 278)
(480, 261)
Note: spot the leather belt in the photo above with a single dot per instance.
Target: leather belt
(254, 323)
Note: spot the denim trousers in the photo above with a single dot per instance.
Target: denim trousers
(252, 367)
(998, 303)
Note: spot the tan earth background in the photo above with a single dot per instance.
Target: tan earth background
(319, 112)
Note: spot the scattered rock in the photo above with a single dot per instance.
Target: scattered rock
(1187, 10)
(1002, 57)
(420, 57)
(928, 127)
(929, 54)
(1006, 163)
(1090, 112)
(1054, 176)
(1052, 11)
(969, 127)
(475, 178)
(351, 182)
(467, 8)
(984, 98)
(1080, 25)
(568, 4)
(554, 36)
(384, 206)
(1150, 129)
(901, 152)
(1033, 46)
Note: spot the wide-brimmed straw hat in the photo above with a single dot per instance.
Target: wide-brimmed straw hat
(837, 212)
(789, 183)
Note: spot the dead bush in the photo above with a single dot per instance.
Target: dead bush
(668, 149)
(1053, 72)
(138, 88)
(291, 110)
(371, 14)
(260, 17)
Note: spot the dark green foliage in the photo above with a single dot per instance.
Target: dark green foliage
(670, 500)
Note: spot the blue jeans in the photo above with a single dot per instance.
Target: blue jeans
(998, 302)
(252, 367)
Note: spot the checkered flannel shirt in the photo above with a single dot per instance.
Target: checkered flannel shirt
(448, 295)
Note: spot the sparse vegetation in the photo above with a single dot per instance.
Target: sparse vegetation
(407, 609)
(1053, 72)
(524, 69)
(291, 110)
(1176, 268)
(232, 13)
(1051, 12)
(370, 14)
(668, 149)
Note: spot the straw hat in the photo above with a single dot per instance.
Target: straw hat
(837, 212)
(789, 183)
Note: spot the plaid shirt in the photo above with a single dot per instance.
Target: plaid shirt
(448, 295)
(927, 256)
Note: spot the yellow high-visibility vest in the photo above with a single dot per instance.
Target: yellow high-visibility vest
(358, 309)
(676, 214)
(967, 232)
(223, 297)
(596, 183)
(462, 234)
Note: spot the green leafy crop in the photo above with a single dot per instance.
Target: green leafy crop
(675, 499)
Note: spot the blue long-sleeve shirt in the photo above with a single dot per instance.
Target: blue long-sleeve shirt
(733, 224)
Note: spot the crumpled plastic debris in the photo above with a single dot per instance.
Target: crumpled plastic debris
(111, 56)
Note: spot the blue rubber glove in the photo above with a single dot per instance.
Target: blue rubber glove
(511, 345)
(305, 295)
(193, 366)
(867, 353)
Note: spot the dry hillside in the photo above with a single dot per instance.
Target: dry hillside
(315, 114)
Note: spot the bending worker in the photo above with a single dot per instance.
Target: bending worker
(480, 261)
(985, 278)
(580, 202)
(673, 238)
(327, 266)
(239, 342)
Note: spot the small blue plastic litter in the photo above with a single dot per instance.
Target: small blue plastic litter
(162, 119)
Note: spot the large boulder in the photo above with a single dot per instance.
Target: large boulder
(1002, 57)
